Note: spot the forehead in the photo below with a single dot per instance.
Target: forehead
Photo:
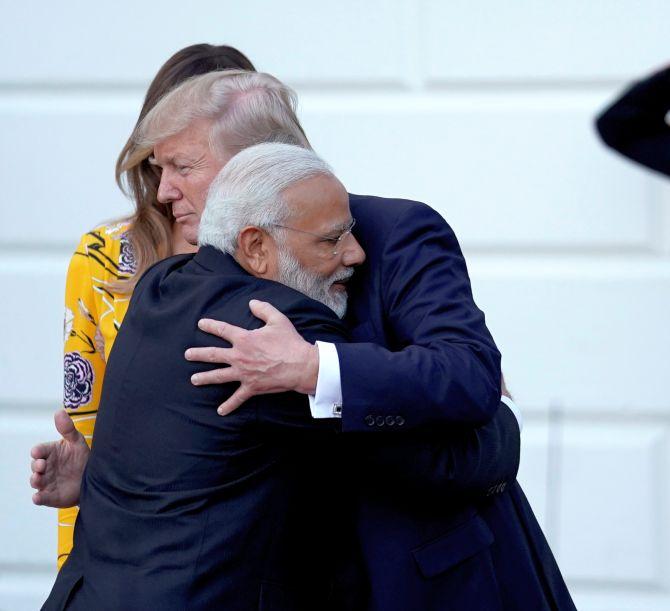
(192, 140)
(321, 200)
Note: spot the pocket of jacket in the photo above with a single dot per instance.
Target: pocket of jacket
(453, 547)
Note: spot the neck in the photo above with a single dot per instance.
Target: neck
(179, 245)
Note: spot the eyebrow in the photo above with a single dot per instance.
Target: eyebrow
(172, 160)
(342, 227)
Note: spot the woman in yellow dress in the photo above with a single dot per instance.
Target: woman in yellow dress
(109, 259)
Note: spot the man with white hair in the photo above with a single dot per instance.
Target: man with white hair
(207, 512)
(422, 360)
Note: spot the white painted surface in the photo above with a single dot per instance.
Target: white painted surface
(536, 40)
(483, 111)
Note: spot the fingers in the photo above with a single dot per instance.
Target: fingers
(216, 376)
(241, 395)
(38, 466)
(209, 355)
(37, 481)
(37, 499)
(224, 330)
(65, 426)
(266, 312)
(42, 450)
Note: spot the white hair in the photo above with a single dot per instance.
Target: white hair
(295, 275)
(248, 191)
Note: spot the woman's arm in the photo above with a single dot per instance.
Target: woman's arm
(84, 366)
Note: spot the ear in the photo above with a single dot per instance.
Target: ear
(255, 247)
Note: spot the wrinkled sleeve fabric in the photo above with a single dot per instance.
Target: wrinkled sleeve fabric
(438, 466)
(433, 465)
(446, 368)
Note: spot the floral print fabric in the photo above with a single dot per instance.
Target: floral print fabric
(78, 381)
(93, 315)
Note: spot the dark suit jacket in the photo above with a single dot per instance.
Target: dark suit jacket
(184, 509)
(423, 356)
(181, 508)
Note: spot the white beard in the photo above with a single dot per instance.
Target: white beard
(292, 274)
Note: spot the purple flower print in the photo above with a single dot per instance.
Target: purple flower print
(127, 261)
(78, 381)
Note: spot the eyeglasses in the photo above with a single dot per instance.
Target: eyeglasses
(335, 241)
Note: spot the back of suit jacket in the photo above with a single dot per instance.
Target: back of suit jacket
(182, 508)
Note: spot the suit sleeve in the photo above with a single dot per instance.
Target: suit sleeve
(635, 124)
(446, 368)
(453, 462)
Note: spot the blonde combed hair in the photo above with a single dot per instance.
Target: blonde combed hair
(245, 108)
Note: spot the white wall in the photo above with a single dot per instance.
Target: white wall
(482, 109)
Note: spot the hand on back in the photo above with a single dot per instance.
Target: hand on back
(272, 359)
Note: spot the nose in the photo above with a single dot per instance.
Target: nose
(167, 190)
(352, 252)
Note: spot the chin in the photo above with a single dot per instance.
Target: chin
(191, 236)
(339, 306)
(337, 301)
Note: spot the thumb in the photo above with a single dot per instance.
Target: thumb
(65, 426)
(266, 312)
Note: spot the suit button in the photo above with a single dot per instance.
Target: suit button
(369, 419)
(379, 420)
(390, 420)
(399, 420)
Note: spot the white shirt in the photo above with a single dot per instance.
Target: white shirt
(327, 400)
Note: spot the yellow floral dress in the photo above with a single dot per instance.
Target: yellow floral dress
(93, 314)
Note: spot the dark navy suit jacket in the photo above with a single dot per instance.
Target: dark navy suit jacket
(183, 509)
(423, 356)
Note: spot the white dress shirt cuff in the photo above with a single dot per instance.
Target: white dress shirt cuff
(515, 410)
(327, 402)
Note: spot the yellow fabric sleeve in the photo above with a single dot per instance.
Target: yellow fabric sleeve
(84, 365)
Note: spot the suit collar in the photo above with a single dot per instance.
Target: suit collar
(215, 260)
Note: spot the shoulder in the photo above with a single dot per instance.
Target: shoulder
(165, 267)
(107, 250)
(388, 211)
(386, 206)
(380, 220)
(105, 235)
